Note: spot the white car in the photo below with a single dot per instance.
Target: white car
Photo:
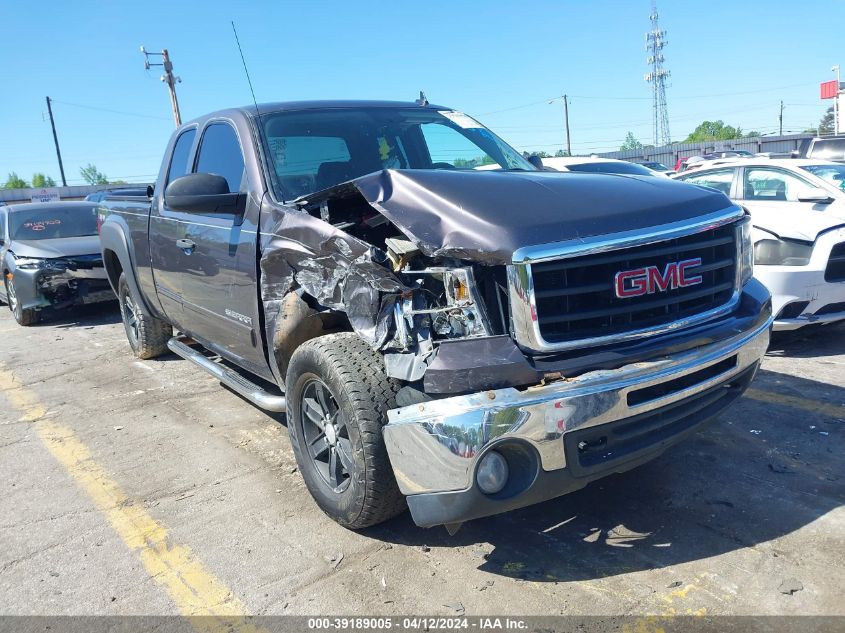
(598, 165)
(798, 213)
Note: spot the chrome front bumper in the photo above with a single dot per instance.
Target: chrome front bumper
(434, 446)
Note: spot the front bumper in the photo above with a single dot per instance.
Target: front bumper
(560, 436)
(805, 287)
(38, 288)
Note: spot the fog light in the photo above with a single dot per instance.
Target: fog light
(492, 473)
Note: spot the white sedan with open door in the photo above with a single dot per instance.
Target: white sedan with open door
(798, 214)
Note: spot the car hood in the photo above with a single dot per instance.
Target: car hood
(797, 224)
(486, 216)
(58, 247)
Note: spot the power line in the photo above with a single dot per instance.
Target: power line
(98, 109)
(612, 98)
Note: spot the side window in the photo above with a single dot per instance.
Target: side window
(181, 152)
(720, 179)
(220, 153)
(768, 184)
(447, 145)
(2, 226)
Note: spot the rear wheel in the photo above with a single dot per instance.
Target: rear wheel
(338, 397)
(147, 335)
(22, 316)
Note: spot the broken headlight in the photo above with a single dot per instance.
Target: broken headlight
(452, 302)
(36, 263)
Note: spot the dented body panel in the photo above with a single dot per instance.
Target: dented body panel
(424, 259)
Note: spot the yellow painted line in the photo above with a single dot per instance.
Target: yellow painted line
(192, 587)
(796, 402)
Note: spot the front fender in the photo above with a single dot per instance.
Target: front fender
(26, 285)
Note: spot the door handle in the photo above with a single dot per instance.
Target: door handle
(186, 245)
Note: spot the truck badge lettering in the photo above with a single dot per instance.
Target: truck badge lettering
(650, 279)
(238, 317)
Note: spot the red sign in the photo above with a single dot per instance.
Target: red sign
(648, 280)
(829, 89)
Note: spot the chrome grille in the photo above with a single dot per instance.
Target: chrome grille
(576, 298)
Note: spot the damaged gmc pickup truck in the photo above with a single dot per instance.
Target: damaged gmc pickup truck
(446, 325)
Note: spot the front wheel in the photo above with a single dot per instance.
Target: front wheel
(22, 316)
(338, 398)
(147, 335)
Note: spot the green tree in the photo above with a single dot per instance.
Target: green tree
(826, 124)
(752, 133)
(630, 143)
(15, 182)
(561, 153)
(90, 175)
(40, 181)
(713, 131)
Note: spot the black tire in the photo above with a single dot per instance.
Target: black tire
(23, 317)
(147, 335)
(359, 394)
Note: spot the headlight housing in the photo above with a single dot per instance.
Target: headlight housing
(36, 263)
(775, 252)
(456, 311)
(746, 251)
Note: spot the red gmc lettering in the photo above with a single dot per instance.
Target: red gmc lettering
(648, 280)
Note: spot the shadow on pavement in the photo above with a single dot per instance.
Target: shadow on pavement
(759, 472)
(811, 341)
(91, 315)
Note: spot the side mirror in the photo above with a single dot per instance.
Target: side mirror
(203, 193)
(815, 194)
(536, 161)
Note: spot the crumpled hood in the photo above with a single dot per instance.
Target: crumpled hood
(485, 216)
(58, 247)
(795, 224)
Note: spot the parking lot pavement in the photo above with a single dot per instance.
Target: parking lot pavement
(144, 487)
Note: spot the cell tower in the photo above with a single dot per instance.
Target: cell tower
(658, 76)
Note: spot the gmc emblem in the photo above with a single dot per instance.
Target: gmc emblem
(648, 280)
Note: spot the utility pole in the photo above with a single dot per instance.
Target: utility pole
(836, 101)
(168, 77)
(780, 118)
(56, 141)
(566, 117)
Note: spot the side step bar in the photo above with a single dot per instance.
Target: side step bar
(236, 382)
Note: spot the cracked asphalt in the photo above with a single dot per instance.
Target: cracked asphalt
(122, 478)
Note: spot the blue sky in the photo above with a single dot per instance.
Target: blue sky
(499, 61)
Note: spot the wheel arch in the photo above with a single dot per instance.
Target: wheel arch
(117, 260)
(299, 322)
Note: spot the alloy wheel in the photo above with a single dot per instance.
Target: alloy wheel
(326, 435)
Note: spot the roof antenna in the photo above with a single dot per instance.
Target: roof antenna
(422, 101)
(246, 70)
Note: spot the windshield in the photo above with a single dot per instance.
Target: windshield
(833, 174)
(656, 166)
(612, 168)
(44, 223)
(316, 149)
